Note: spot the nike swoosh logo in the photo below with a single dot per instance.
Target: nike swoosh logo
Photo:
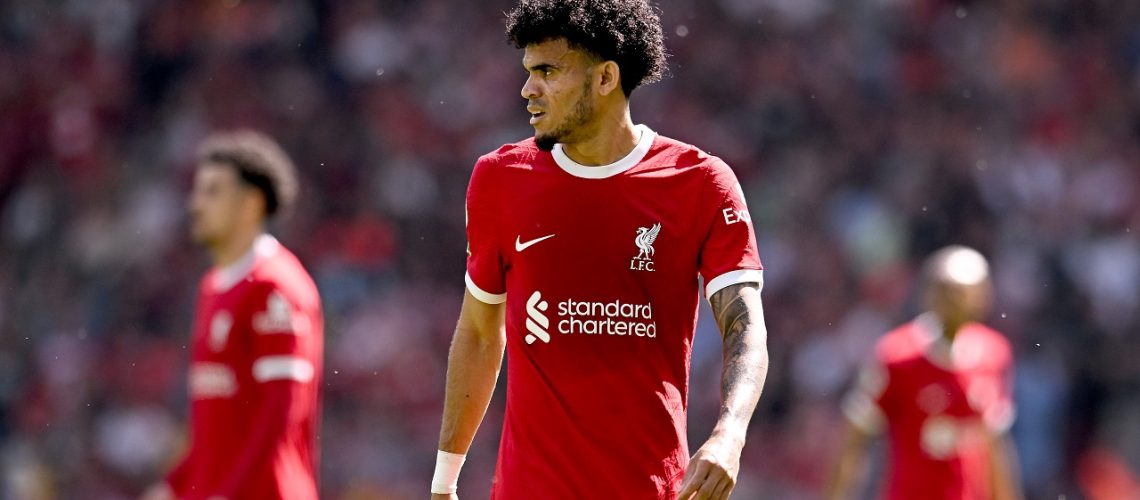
(520, 246)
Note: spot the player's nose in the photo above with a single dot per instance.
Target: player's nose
(530, 89)
(194, 204)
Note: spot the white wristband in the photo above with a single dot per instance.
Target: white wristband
(446, 478)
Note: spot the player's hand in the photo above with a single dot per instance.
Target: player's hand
(441, 496)
(158, 491)
(711, 474)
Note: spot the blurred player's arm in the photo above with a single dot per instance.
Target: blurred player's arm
(1006, 475)
(164, 489)
(158, 491)
(273, 410)
(1005, 469)
(740, 315)
(281, 371)
(472, 369)
(851, 466)
(865, 421)
(175, 480)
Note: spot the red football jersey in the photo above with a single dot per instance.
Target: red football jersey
(599, 267)
(255, 375)
(938, 401)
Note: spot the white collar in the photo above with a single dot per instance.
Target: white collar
(586, 172)
(263, 246)
(936, 347)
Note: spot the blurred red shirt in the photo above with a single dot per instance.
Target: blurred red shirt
(254, 383)
(939, 402)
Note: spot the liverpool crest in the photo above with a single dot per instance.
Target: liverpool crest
(643, 261)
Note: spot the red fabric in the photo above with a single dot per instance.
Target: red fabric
(1105, 475)
(591, 412)
(254, 437)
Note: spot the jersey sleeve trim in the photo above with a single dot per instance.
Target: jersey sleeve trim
(861, 405)
(734, 277)
(1000, 418)
(293, 368)
(483, 295)
(863, 413)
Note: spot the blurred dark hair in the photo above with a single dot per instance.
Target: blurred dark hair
(627, 32)
(260, 162)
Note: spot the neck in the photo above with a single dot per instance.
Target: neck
(229, 251)
(616, 136)
(950, 329)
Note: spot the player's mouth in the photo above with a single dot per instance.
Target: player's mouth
(536, 114)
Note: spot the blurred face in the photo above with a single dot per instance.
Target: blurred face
(219, 201)
(559, 92)
(958, 287)
(958, 303)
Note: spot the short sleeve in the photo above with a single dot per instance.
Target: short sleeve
(999, 411)
(863, 405)
(282, 338)
(729, 254)
(485, 277)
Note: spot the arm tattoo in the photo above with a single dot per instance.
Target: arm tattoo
(739, 313)
(731, 311)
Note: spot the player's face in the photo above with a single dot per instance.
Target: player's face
(958, 303)
(217, 199)
(559, 92)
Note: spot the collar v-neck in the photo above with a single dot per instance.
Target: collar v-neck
(601, 172)
(228, 276)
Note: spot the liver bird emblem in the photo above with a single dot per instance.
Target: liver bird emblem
(645, 238)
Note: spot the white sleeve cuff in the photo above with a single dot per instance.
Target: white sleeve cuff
(733, 277)
(863, 413)
(861, 406)
(1000, 418)
(482, 295)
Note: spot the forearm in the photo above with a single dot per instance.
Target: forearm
(713, 468)
(742, 380)
(741, 318)
(472, 369)
(849, 467)
(1004, 469)
(839, 483)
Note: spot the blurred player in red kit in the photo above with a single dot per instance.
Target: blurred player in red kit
(585, 245)
(940, 387)
(257, 338)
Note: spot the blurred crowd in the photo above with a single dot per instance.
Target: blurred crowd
(865, 133)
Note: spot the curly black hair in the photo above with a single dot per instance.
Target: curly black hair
(627, 32)
(260, 163)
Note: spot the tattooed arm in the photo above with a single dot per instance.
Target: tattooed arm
(712, 471)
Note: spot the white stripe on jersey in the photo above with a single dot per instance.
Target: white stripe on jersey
(211, 380)
(863, 412)
(282, 368)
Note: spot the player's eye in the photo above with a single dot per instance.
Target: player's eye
(544, 70)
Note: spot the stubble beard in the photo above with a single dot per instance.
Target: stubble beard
(583, 112)
(204, 239)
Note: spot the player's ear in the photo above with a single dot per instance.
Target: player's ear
(608, 77)
(254, 201)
